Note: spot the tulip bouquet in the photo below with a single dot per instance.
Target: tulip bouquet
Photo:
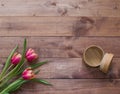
(15, 71)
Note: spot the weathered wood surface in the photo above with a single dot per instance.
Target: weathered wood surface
(59, 26)
(105, 8)
(67, 47)
(59, 31)
(74, 68)
(74, 86)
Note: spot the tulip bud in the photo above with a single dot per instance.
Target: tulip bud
(28, 74)
(31, 55)
(16, 58)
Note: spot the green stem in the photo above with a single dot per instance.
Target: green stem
(9, 67)
(5, 77)
(14, 71)
(6, 72)
(7, 62)
(13, 86)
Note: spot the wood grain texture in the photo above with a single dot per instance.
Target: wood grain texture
(74, 68)
(59, 31)
(105, 8)
(59, 26)
(67, 47)
(72, 86)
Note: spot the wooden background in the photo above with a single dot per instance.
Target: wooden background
(60, 30)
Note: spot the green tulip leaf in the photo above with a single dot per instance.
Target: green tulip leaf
(6, 93)
(8, 62)
(33, 66)
(16, 69)
(41, 81)
(36, 65)
(14, 85)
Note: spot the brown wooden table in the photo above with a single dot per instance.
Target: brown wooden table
(60, 30)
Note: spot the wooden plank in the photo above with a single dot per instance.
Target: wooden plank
(74, 68)
(60, 46)
(73, 86)
(59, 26)
(105, 8)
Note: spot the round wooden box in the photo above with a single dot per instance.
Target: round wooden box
(94, 56)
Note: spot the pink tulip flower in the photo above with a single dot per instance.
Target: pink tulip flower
(31, 55)
(16, 58)
(28, 74)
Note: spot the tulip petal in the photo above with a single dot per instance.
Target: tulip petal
(31, 55)
(16, 58)
(28, 74)
(29, 52)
